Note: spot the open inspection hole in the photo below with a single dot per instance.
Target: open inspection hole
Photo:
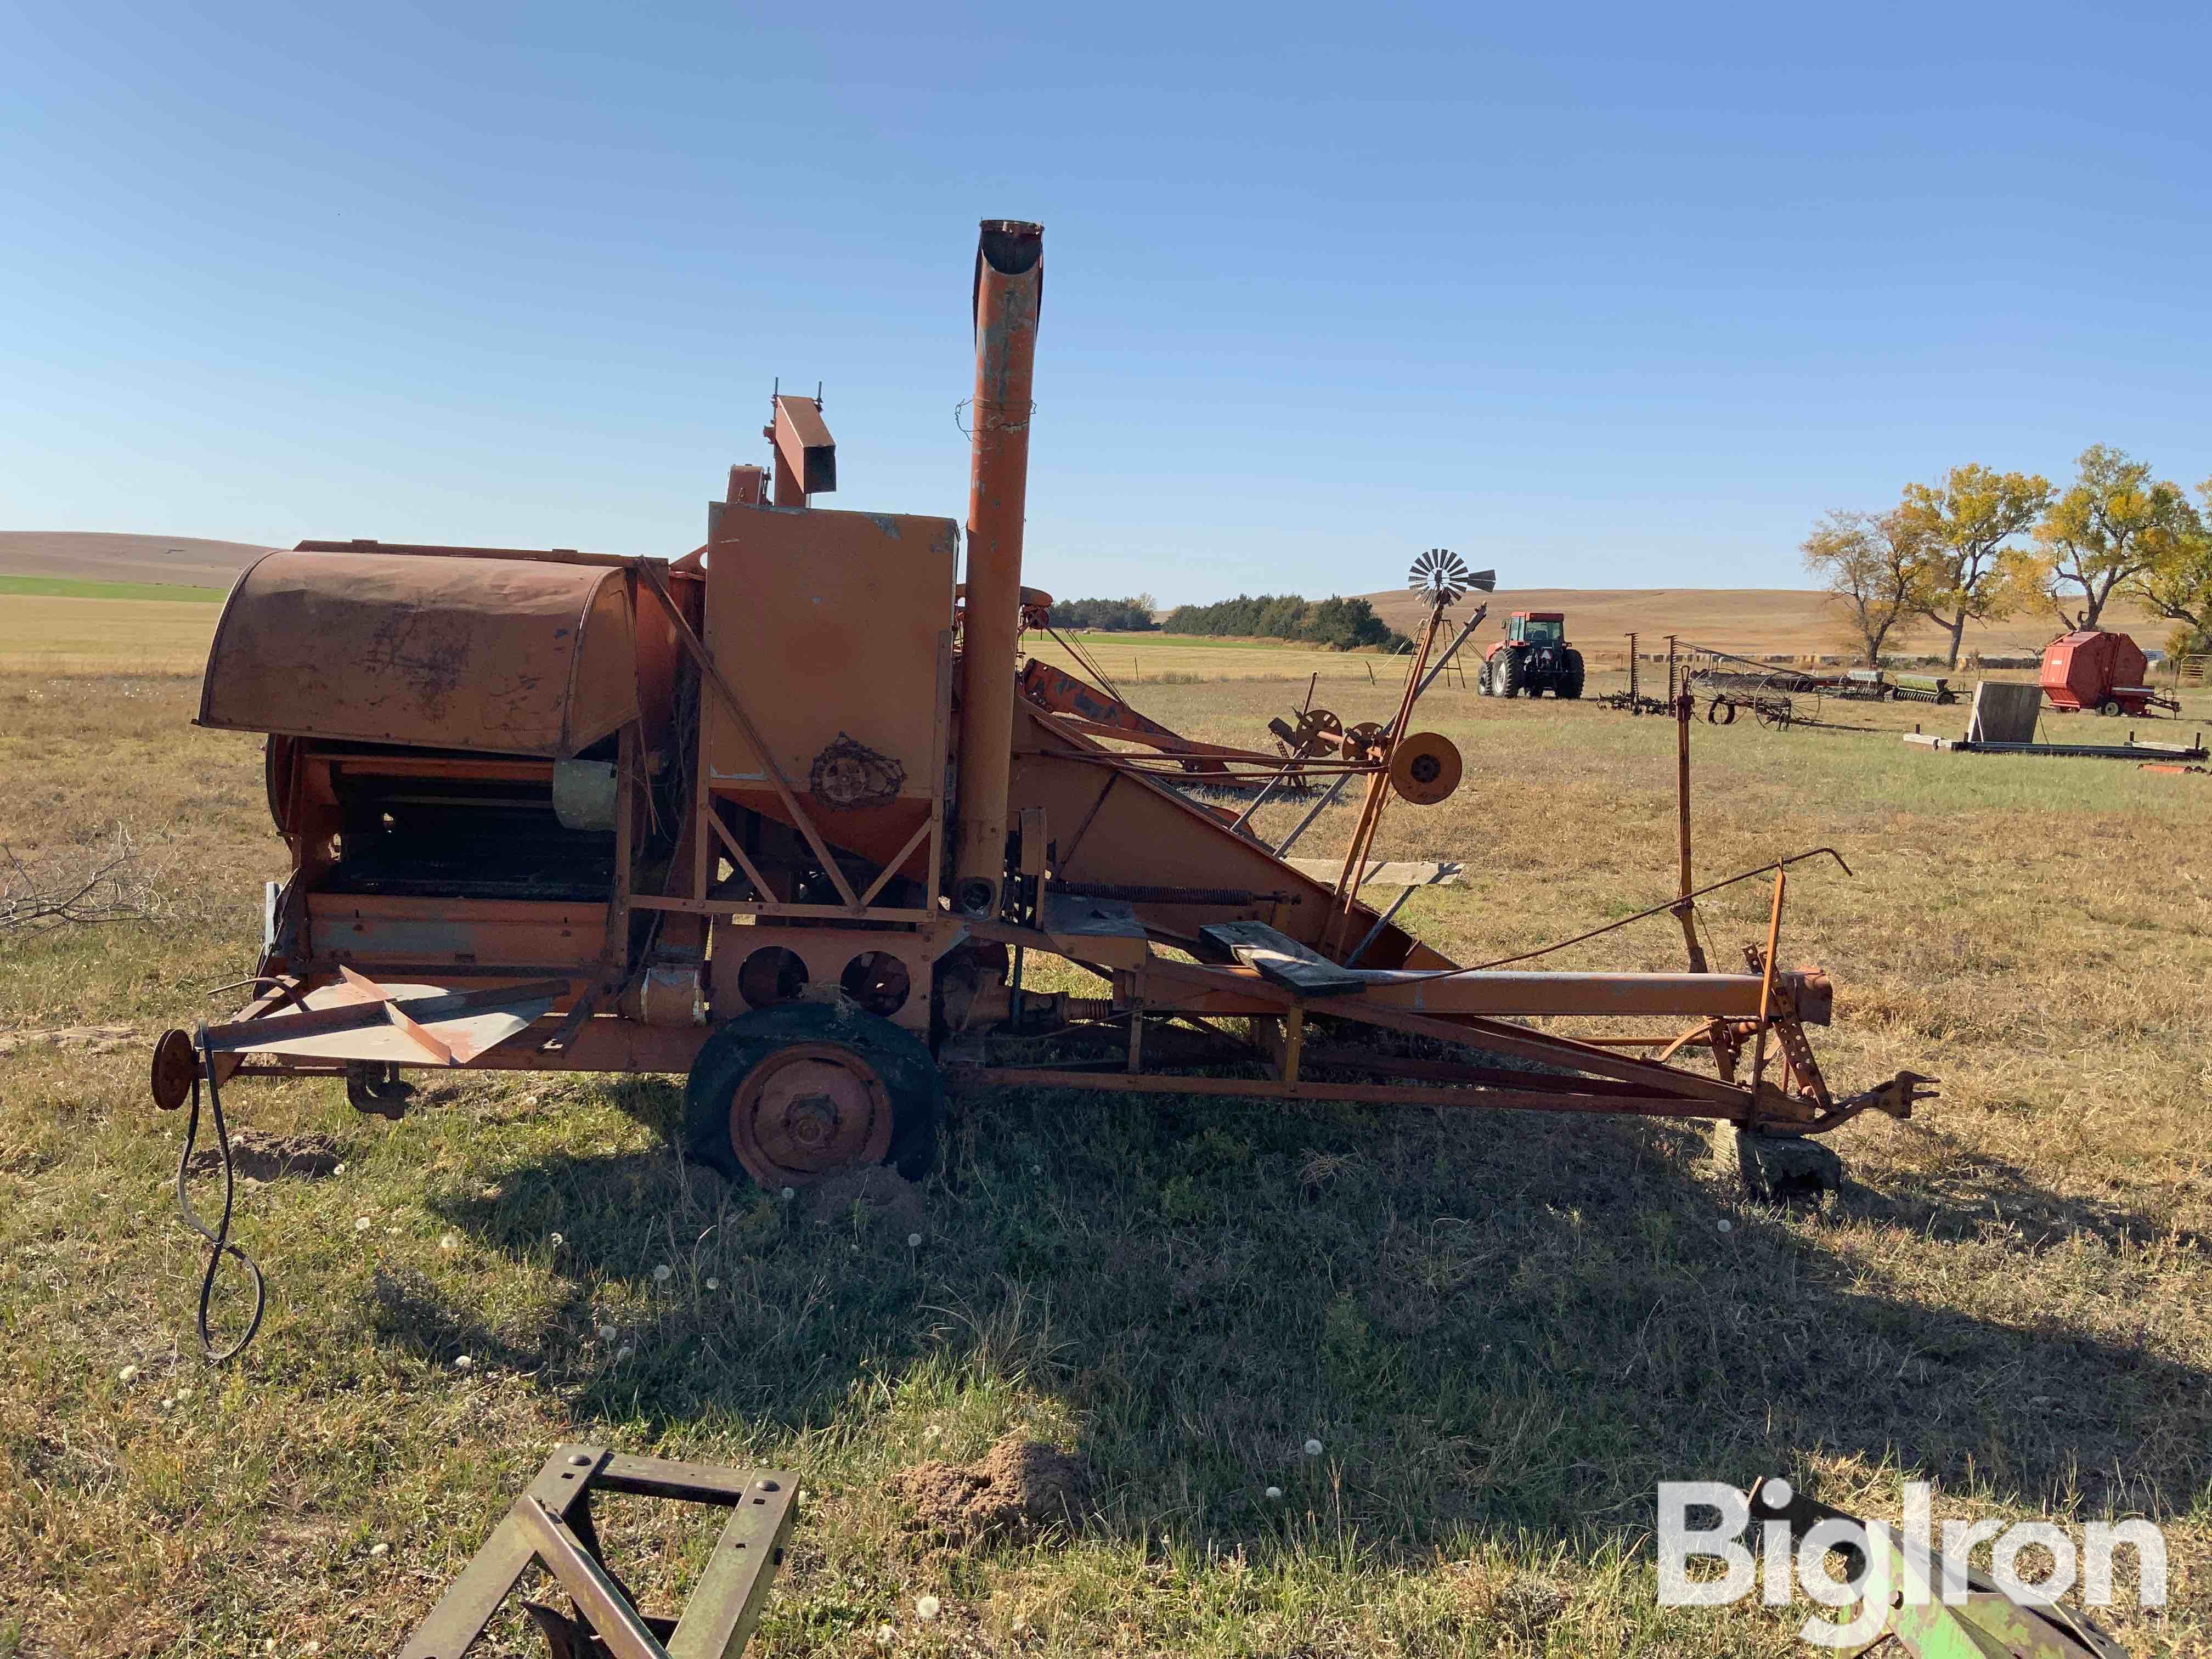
(771, 974)
(878, 981)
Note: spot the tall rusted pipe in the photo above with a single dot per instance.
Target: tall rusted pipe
(1009, 293)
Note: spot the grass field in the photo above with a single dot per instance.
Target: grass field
(76, 633)
(71, 587)
(1503, 1331)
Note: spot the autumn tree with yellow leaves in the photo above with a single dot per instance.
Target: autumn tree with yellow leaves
(2116, 526)
(1966, 565)
(2176, 583)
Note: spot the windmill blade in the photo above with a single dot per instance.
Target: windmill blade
(1439, 575)
(1485, 580)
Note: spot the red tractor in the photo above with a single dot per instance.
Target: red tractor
(1534, 657)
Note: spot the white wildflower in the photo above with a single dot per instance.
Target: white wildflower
(791, 1192)
(128, 1374)
(714, 1284)
(184, 1393)
(556, 1240)
(927, 1606)
(463, 1362)
(1725, 1225)
(361, 1224)
(623, 1352)
(380, 1549)
(1313, 1448)
(449, 1242)
(885, 1636)
(1275, 1494)
(913, 1241)
(663, 1274)
(606, 1333)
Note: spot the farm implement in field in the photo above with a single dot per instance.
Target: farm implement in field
(780, 815)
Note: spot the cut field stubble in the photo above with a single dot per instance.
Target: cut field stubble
(1503, 1330)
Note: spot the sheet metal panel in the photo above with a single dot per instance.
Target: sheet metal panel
(508, 655)
(826, 626)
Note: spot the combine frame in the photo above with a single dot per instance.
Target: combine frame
(776, 814)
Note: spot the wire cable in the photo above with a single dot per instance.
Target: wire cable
(218, 1237)
(1669, 908)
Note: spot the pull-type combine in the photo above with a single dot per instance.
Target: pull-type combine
(773, 815)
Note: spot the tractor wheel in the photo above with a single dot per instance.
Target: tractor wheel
(1570, 683)
(2110, 706)
(1506, 673)
(1482, 679)
(794, 1094)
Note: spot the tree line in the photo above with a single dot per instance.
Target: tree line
(1130, 616)
(1980, 545)
(1341, 624)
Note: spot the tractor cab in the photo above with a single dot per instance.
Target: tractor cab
(1537, 628)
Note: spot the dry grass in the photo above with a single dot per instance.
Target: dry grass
(56, 633)
(1505, 1331)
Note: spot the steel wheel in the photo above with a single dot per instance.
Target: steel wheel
(748, 1106)
(808, 1111)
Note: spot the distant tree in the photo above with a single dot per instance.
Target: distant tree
(2116, 523)
(1120, 615)
(1345, 624)
(1965, 565)
(1867, 563)
(2176, 583)
(1341, 624)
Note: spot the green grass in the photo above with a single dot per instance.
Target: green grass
(68, 588)
(1126, 640)
(1503, 1330)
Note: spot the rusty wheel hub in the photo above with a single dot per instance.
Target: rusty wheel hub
(176, 1067)
(807, 1112)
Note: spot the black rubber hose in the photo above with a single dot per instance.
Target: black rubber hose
(218, 1237)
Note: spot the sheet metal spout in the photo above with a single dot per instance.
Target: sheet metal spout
(1009, 293)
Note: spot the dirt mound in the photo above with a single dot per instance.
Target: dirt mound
(887, 1195)
(257, 1156)
(1018, 1489)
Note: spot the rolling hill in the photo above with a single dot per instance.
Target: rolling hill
(94, 555)
(1756, 621)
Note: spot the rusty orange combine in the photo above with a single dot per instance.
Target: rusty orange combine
(778, 815)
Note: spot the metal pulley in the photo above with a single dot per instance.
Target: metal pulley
(1367, 741)
(1424, 768)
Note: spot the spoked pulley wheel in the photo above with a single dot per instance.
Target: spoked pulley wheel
(808, 1111)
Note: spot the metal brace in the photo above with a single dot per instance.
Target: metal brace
(551, 1523)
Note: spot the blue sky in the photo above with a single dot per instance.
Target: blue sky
(1602, 295)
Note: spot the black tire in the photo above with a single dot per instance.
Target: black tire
(1570, 677)
(901, 1059)
(1505, 671)
(2111, 706)
(1482, 679)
